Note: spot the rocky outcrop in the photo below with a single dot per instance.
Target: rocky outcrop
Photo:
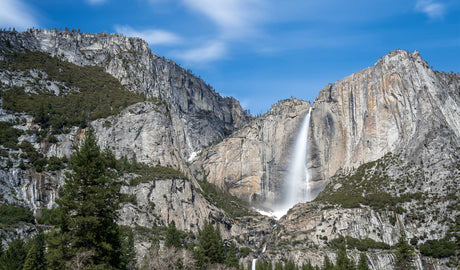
(252, 162)
(390, 107)
(394, 106)
(198, 115)
(159, 202)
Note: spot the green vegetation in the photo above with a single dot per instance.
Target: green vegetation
(9, 135)
(39, 162)
(231, 259)
(99, 94)
(366, 186)
(224, 200)
(343, 262)
(88, 233)
(148, 173)
(210, 247)
(173, 236)
(11, 215)
(359, 244)
(404, 254)
(24, 256)
(49, 216)
(244, 252)
(14, 257)
(362, 263)
(441, 248)
(36, 253)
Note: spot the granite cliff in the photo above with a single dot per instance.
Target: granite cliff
(197, 114)
(384, 148)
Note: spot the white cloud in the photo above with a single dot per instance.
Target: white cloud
(210, 52)
(96, 2)
(16, 14)
(152, 36)
(235, 18)
(432, 9)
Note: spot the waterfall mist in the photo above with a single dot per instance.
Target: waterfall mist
(297, 187)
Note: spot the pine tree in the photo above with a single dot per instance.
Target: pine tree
(127, 248)
(231, 259)
(290, 265)
(404, 253)
(88, 203)
(13, 258)
(343, 262)
(362, 263)
(279, 266)
(173, 236)
(36, 253)
(210, 244)
(327, 264)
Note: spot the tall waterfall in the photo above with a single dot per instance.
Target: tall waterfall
(297, 186)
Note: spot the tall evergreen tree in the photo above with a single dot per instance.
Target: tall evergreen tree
(404, 253)
(231, 258)
(290, 265)
(362, 263)
(210, 244)
(343, 262)
(327, 264)
(88, 203)
(173, 236)
(279, 266)
(13, 258)
(35, 255)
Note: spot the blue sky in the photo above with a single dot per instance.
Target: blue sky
(261, 51)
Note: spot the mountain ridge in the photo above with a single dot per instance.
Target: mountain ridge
(384, 152)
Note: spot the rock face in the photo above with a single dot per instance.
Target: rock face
(394, 106)
(198, 115)
(252, 162)
(399, 119)
(390, 107)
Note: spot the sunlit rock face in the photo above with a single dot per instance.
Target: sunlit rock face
(390, 107)
(252, 163)
(393, 106)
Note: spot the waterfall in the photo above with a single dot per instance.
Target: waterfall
(297, 186)
(253, 266)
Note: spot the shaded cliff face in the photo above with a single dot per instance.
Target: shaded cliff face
(252, 162)
(390, 107)
(198, 115)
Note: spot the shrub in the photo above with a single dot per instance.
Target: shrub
(360, 244)
(99, 94)
(15, 214)
(52, 139)
(49, 216)
(55, 164)
(244, 252)
(441, 248)
(9, 135)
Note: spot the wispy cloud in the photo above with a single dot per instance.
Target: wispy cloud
(96, 2)
(16, 14)
(434, 10)
(235, 18)
(152, 36)
(211, 51)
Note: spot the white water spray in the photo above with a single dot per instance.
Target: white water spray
(297, 186)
